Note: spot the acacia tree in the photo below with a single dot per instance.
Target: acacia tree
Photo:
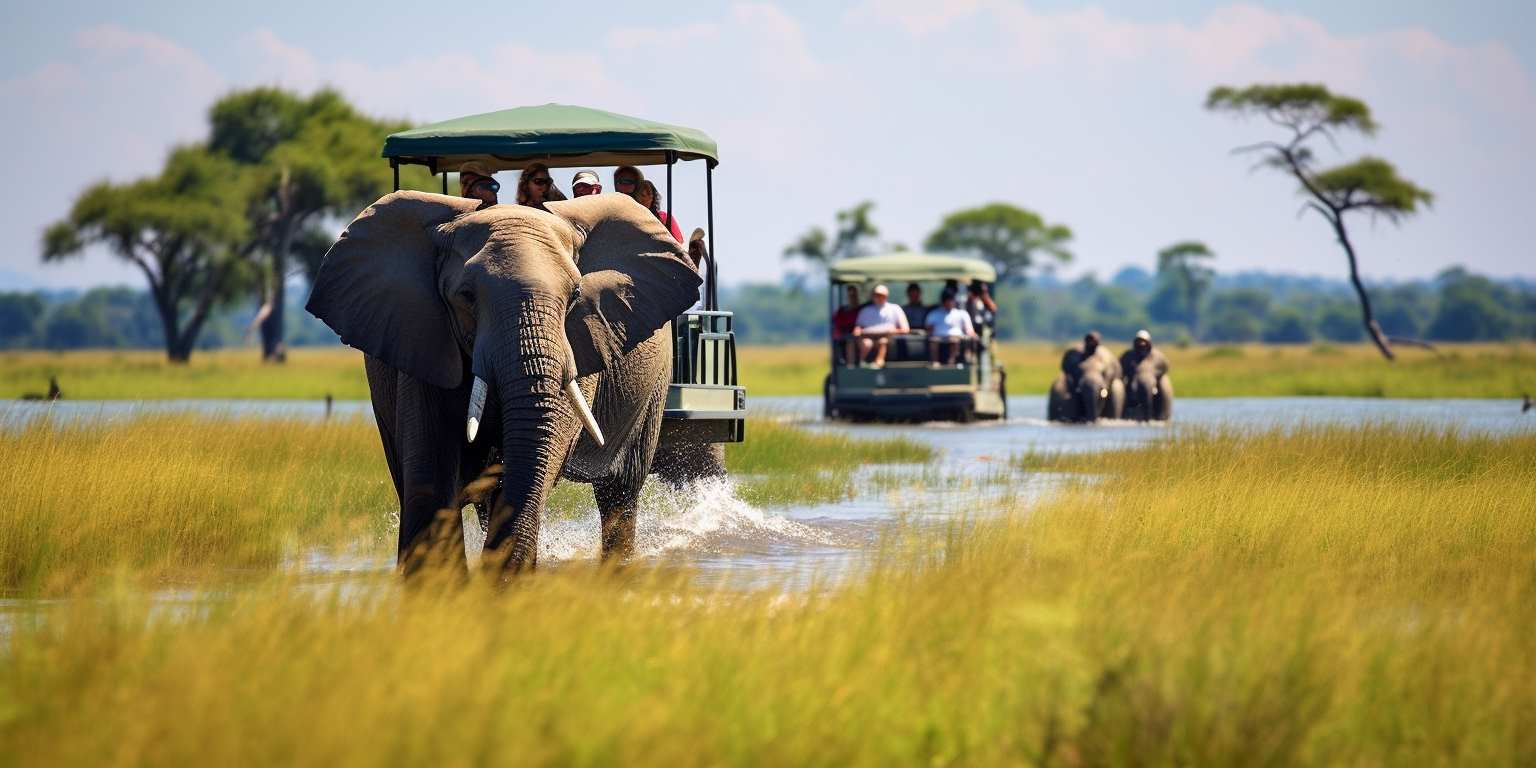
(310, 158)
(1004, 235)
(1182, 283)
(183, 229)
(1370, 184)
(855, 235)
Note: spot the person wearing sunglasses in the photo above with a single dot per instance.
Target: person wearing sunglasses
(475, 182)
(586, 183)
(535, 187)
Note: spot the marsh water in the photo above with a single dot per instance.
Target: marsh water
(726, 539)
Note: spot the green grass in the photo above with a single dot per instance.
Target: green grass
(1250, 370)
(1327, 597)
(1464, 370)
(182, 497)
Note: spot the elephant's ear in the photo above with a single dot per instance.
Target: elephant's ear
(634, 278)
(377, 286)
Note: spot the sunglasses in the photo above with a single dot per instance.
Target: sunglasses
(625, 182)
(594, 188)
(494, 185)
(540, 181)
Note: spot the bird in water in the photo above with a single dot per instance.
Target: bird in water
(53, 391)
(1527, 405)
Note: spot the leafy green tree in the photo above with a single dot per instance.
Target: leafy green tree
(1472, 308)
(1237, 315)
(309, 158)
(1182, 281)
(183, 229)
(19, 315)
(1337, 323)
(1286, 325)
(1008, 237)
(854, 235)
(1370, 184)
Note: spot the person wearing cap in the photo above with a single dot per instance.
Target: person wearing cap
(1143, 362)
(878, 321)
(947, 325)
(585, 183)
(475, 182)
(535, 187)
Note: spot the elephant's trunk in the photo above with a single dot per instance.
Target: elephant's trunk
(528, 364)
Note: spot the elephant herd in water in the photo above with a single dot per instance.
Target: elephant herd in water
(1094, 384)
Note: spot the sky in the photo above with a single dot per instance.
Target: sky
(1089, 114)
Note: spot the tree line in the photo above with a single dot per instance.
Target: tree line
(230, 219)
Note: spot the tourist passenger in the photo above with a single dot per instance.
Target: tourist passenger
(878, 322)
(535, 187)
(626, 180)
(647, 196)
(947, 325)
(916, 310)
(585, 183)
(843, 322)
(980, 306)
(1142, 358)
(475, 182)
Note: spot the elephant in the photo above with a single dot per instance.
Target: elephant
(1088, 388)
(539, 338)
(1148, 387)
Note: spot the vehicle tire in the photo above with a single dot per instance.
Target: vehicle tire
(1002, 391)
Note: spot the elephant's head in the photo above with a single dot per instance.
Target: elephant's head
(512, 301)
(1096, 377)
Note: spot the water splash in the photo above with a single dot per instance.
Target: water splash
(704, 516)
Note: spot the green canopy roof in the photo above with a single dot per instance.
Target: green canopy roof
(906, 266)
(557, 135)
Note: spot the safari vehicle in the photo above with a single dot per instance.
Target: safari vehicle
(705, 403)
(909, 387)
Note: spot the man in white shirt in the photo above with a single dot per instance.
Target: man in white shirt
(947, 325)
(878, 321)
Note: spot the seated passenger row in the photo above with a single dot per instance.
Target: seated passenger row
(862, 333)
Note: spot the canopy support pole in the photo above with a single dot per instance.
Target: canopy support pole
(671, 158)
(395, 166)
(711, 303)
(445, 182)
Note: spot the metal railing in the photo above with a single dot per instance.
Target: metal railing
(704, 348)
(913, 348)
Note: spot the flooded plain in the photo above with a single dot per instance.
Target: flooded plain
(709, 527)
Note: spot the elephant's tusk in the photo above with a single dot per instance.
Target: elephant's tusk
(579, 401)
(476, 409)
(573, 391)
(1103, 393)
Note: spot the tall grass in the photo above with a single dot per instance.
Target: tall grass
(175, 496)
(1323, 597)
(171, 496)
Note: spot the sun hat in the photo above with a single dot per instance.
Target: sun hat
(585, 177)
(476, 168)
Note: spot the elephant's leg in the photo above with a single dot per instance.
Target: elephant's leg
(382, 381)
(430, 434)
(617, 502)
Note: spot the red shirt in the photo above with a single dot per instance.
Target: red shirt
(843, 321)
(677, 233)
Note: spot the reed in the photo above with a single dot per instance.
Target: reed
(1312, 597)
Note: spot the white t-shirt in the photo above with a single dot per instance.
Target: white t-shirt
(882, 318)
(950, 323)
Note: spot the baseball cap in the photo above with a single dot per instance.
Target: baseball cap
(585, 177)
(1143, 335)
(881, 290)
(477, 168)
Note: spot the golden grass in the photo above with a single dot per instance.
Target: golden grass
(1329, 597)
(179, 496)
(173, 496)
